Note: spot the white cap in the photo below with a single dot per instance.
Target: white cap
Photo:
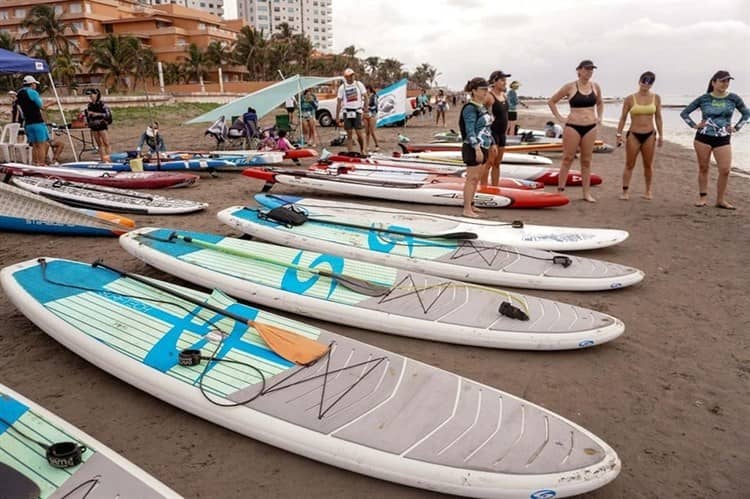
(28, 80)
(348, 72)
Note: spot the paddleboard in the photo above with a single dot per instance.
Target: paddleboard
(22, 211)
(100, 197)
(456, 146)
(26, 473)
(441, 168)
(509, 158)
(200, 164)
(412, 304)
(553, 238)
(123, 180)
(471, 260)
(450, 194)
(358, 407)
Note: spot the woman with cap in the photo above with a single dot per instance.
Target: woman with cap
(474, 123)
(99, 117)
(586, 111)
(646, 132)
(714, 133)
(498, 104)
(513, 104)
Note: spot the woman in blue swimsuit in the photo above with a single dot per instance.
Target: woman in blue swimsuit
(586, 111)
(714, 133)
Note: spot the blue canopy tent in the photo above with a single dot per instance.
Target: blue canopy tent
(12, 63)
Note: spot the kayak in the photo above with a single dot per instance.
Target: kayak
(440, 192)
(123, 180)
(22, 211)
(43, 456)
(409, 175)
(464, 258)
(362, 294)
(347, 404)
(110, 198)
(516, 233)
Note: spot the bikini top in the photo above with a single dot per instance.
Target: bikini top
(643, 109)
(580, 100)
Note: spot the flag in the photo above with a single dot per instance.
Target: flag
(392, 104)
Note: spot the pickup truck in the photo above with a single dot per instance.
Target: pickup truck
(327, 109)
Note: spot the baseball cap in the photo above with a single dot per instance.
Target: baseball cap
(496, 75)
(722, 75)
(348, 72)
(587, 64)
(28, 80)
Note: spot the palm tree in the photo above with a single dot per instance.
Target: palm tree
(250, 50)
(174, 73)
(390, 70)
(146, 64)
(371, 66)
(8, 41)
(42, 20)
(217, 54)
(116, 56)
(65, 68)
(197, 64)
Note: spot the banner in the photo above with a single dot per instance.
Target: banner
(392, 104)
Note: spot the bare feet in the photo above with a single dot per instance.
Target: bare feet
(471, 214)
(589, 199)
(701, 202)
(648, 196)
(725, 206)
(624, 196)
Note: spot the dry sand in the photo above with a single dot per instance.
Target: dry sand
(670, 395)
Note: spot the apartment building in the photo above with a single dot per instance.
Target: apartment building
(215, 7)
(168, 29)
(314, 18)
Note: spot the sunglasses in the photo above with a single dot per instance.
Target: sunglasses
(648, 81)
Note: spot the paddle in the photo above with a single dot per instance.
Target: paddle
(287, 344)
(357, 285)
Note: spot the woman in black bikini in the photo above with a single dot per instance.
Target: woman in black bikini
(497, 103)
(586, 110)
(644, 107)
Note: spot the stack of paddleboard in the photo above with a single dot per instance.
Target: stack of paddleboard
(509, 158)
(216, 159)
(22, 211)
(170, 165)
(397, 239)
(99, 197)
(352, 405)
(123, 180)
(36, 448)
(456, 146)
(446, 191)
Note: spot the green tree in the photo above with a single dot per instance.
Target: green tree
(197, 64)
(43, 21)
(8, 41)
(116, 56)
(64, 69)
(250, 50)
(217, 54)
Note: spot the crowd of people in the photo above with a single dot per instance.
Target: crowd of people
(490, 115)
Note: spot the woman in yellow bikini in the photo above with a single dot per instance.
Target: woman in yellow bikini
(645, 132)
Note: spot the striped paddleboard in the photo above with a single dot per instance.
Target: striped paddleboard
(412, 304)
(25, 472)
(471, 260)
(358, 407)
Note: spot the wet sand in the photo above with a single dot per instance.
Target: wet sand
(670, 395)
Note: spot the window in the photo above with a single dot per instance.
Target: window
(3, 14)
(20, 13)
(58, 10)
(87, 8)
(202, 26)
(75, 8)
(78, 26)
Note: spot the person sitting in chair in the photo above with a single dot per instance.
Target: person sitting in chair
(153, 139)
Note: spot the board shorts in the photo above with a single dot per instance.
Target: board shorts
(469, 155)
(499, 139)
(512, 115)
(354, 123)
(36, 133)
(712, 141)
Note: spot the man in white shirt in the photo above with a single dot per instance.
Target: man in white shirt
(351, 98)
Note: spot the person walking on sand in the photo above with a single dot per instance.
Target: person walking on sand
(309, 109)
(646, 132)
(474, 123)
(586, 111)
(371, 118)
(441, 104)
(714, 133)
(351, 98)
(99, 117)
(513, 104)
(497, 103)
(32, 107)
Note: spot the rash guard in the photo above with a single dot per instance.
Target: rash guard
(717, 112)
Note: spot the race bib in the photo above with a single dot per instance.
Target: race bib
(351, 114)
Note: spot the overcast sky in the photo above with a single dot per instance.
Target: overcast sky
(540, 42)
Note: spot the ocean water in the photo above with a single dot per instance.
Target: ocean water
(675, 130)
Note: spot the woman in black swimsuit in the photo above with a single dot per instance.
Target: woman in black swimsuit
(498, 106)
(586, 110)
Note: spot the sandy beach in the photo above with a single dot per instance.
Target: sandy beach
(670, 395)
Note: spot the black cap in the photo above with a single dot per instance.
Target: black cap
(496, 75)
(586, 63)
(475, 83)
(722, 75)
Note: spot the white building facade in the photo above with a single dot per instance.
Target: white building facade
(215, 7)
(311, 17)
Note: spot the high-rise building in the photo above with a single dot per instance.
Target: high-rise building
(314, 18)
(215, 7)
